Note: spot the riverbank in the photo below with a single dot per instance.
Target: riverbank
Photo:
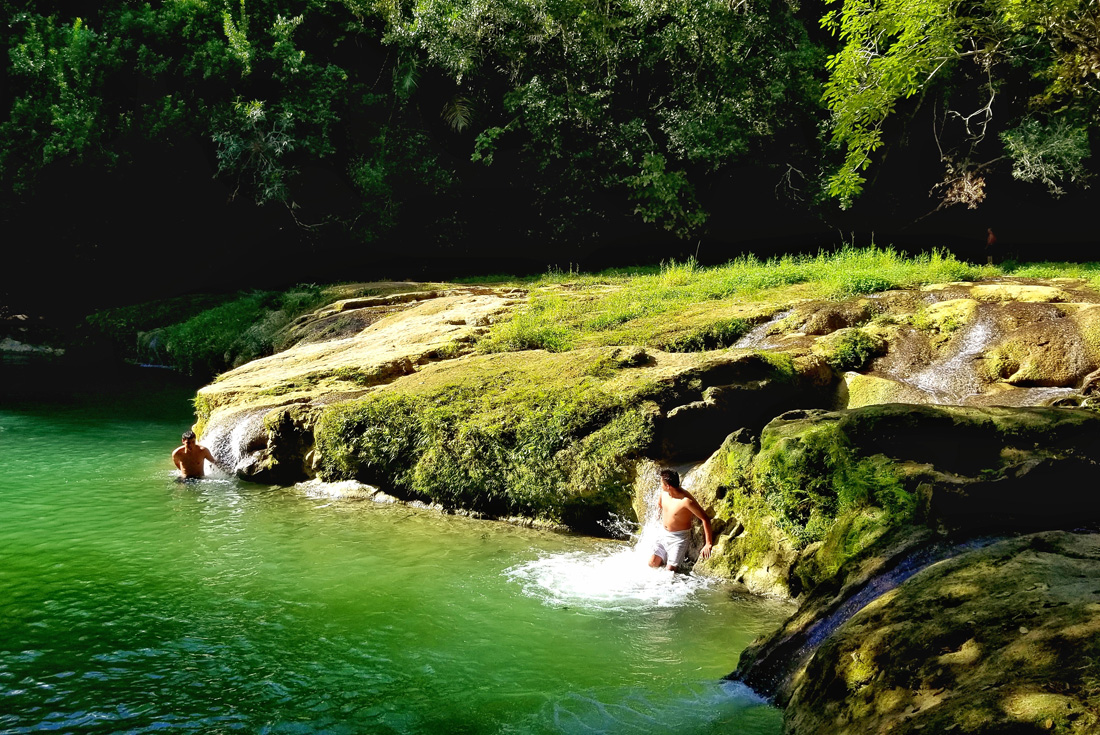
(853, 414)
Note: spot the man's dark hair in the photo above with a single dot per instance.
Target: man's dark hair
(188, 435)
(672, 477)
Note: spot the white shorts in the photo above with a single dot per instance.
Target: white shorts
(672, 546)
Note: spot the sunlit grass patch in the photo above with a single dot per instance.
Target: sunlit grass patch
(1087, 271)
(684, 306)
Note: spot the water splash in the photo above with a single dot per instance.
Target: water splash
(611, 579)
(229, 442)
(615, 578)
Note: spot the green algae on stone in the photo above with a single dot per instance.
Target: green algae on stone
(504, 443)
(850, 348)
(824, 488)
(943, 319)
(1013, 646)
(868, 390)
(809, 472)
(750, 547)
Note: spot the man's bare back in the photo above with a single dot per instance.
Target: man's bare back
(190, 457)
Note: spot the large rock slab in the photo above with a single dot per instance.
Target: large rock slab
(943, 481)
(244, 408)
(408, 403)
(1005, 639)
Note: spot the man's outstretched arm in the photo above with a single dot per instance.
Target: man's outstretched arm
(697, 509)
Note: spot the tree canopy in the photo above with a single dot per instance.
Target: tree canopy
(1014, 79)
(441, 122)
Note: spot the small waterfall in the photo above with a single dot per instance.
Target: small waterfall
(615, 578)
(229, 442)
(953, 378)
(758, 335)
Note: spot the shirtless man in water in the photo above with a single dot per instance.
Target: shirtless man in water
(678, 510)
(189, 458)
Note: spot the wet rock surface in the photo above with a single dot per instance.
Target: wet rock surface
(975, 474)
(1004, 639)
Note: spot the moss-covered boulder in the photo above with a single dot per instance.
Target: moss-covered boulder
(820, 489)
(1045, 347)
(410, 405)
(866, 498)
(860, 389)
(541, 434)
(1000, 640)
(242, 412)
(825, 317)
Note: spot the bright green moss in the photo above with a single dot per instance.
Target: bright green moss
(812, 476)
(519, 449)
(713, 336)
(852, 349)
(203, 409)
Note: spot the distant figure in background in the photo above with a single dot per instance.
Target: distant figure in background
(189, 458)
(990, 244)
(678, 510)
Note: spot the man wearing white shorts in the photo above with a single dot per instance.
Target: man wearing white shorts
(672, 547)
(678, 510)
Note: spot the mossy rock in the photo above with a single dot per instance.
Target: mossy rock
(1087, 319)
(1018, 292)
(749, 548)
(1000, 640)
(550, 435)
(826, 317)
(1047, 354)
(943, 319)
(844, 480)
(867, 390)
(851, 348)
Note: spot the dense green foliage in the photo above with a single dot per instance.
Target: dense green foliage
(559, 122)
(1014, 73)
(594, 113)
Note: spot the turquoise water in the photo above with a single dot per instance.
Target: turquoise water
(130, 602)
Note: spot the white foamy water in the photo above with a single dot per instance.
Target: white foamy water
(953, 378)
(614, 578)
(227, 442)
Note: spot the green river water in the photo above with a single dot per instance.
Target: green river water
(130, 602)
